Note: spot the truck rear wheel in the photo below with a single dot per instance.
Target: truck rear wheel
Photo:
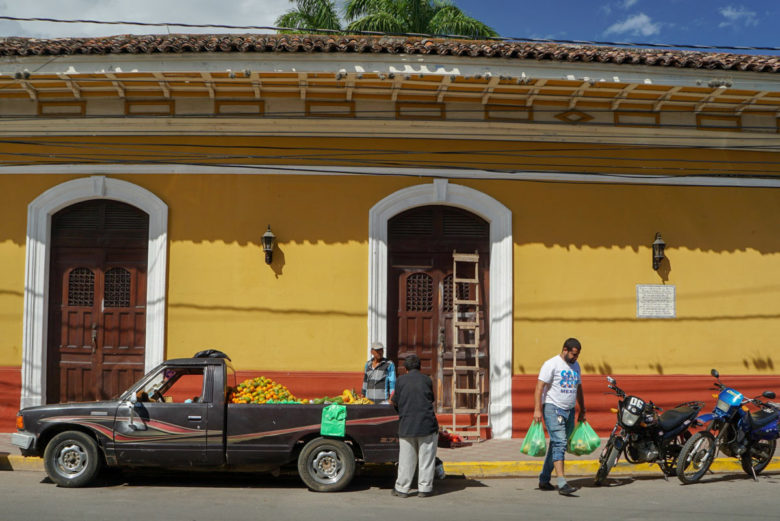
(326, 465)
(72, 459)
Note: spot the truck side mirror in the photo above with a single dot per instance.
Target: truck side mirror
(131, 403)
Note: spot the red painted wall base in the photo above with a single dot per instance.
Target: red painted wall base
(665, 391)
(10, 391)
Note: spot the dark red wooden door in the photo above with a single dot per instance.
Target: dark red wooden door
(97, 316)
(420, 290)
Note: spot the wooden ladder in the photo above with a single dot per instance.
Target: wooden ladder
(465, 341)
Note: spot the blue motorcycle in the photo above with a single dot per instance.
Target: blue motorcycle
(749, 436)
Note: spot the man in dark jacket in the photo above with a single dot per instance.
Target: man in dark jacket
(418, 430)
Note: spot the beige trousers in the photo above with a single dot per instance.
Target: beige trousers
(413, 452)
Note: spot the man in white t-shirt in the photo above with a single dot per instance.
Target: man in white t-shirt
(557, 392)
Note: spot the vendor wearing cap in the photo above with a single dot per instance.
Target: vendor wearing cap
(379, 375)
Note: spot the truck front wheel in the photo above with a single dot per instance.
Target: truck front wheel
(326, 465)
(72, 459)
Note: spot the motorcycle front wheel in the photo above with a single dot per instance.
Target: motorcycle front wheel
(758, 456)
(696, 457)
(607, 460)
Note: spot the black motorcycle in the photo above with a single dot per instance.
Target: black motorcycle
(645, 436)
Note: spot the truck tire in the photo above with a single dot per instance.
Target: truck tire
(72, 459)
(326, 465)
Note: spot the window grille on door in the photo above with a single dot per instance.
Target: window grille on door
(463, 293)
(81, 287)
(419, 292)
(117, 288)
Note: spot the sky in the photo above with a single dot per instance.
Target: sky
(750, 23)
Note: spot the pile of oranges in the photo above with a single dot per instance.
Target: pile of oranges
(262, 390)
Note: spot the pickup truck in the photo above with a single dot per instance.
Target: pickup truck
(179, 416)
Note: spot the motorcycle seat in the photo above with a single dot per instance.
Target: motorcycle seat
(761, 418)
(675, 417)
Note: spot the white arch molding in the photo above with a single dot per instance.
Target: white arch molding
(36, 283)
(500, 319)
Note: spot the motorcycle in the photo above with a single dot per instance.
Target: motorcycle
(645, 436)
(748, 436)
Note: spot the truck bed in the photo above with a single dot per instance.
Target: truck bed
(268, 434)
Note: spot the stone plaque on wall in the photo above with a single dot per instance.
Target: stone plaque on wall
(656, 301)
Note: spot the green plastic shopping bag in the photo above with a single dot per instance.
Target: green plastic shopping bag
(583, 439)
(334, 420)
(534, 443)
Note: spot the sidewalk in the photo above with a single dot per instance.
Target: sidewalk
(491, 458)
(495, 458)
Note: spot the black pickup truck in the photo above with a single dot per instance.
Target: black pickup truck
(180, 416)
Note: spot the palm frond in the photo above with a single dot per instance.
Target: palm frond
(354, 9)
(382, 22)
(311, 15)
(451, 20)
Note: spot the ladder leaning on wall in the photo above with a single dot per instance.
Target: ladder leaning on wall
(466, 382)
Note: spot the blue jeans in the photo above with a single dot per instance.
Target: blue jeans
(559, 432)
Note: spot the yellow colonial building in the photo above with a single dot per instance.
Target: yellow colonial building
(138, 176)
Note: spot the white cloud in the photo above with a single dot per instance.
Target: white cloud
(242, 12)
(621, 4)
(635, 25)
(737, 16)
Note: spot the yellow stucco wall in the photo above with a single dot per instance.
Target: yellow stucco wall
(579, 251)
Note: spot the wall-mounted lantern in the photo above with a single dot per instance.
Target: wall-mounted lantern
(658, 250)
(268, 240)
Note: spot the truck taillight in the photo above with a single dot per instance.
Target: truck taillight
(20, 422)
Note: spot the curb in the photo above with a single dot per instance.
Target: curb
(480, 469)
(487, 469)
(16, 462)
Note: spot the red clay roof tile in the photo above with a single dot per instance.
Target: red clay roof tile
(250, 43)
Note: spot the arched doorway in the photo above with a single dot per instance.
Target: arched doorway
(420, 298)
(499, 321)
(97, 302)
(37, 287)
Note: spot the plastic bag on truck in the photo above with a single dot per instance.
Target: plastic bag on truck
(534, 443)
(583, 439)
(334, 420)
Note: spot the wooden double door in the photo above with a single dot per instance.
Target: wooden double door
(97, 311)
(420, 294)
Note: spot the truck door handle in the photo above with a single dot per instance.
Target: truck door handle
(194, 418)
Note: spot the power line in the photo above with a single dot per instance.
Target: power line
(402, 170)
(377, 33)
(585, 149)
(382, 160)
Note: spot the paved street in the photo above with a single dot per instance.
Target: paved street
(152, 496)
